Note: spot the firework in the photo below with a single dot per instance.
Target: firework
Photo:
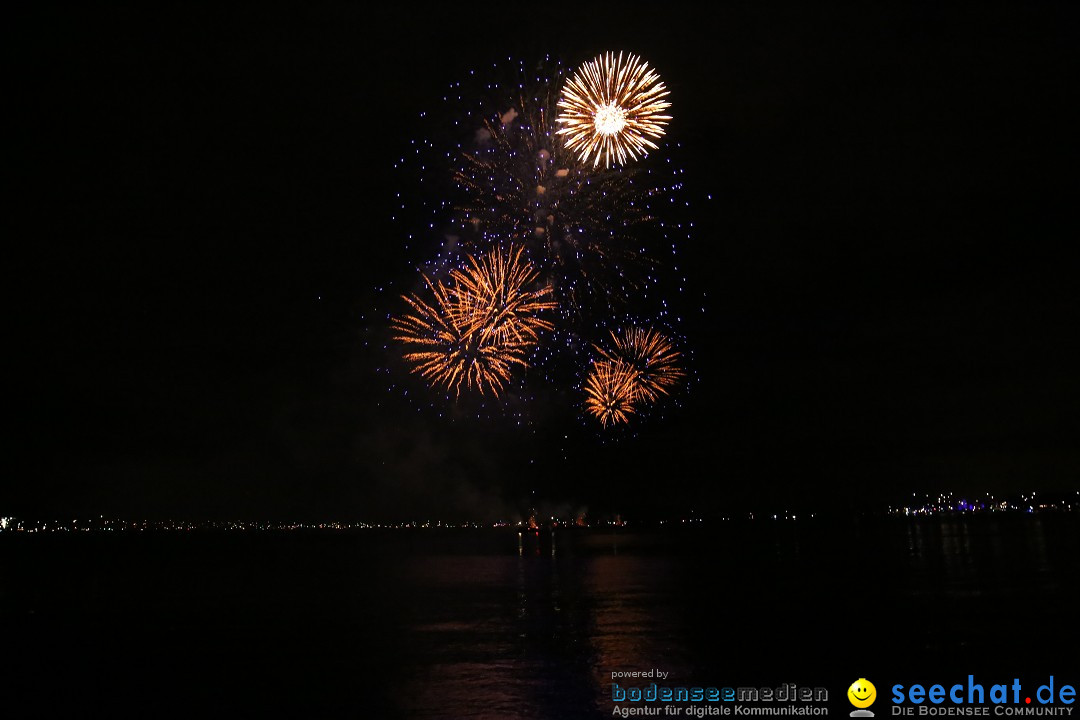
(580, 226)
(610, 391)
(652, 356)
(476, 329)
(546, 235)
(449, 353)
(496, 292)
(611, 108)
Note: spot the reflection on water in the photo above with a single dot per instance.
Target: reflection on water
(636, 621)
(957, 556)
(489, 624)
(547, 629)
(534, 634)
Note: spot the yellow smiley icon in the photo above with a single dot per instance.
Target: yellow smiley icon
(862, 693)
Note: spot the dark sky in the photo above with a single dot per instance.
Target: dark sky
(206, 206)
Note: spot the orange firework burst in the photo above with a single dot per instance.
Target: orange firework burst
(652, 356)
(495, 289)
(477, 328)
(610, 390)
(611, 108)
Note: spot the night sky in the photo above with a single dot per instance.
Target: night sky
(883, 204)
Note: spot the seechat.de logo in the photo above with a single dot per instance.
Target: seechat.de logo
(983, 699)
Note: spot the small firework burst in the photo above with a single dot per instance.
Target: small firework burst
(476, 329)
(652, 355)
(611, 108)
(610, 391)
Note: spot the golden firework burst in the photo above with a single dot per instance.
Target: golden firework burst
(610, 390)
(651, 355)
(611, 108)
(496, 289)
(476, 329)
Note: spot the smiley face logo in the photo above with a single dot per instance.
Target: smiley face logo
(862, 693)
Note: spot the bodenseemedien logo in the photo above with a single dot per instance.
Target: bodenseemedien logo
(862, 694)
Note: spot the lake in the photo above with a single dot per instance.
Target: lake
(484, 623)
